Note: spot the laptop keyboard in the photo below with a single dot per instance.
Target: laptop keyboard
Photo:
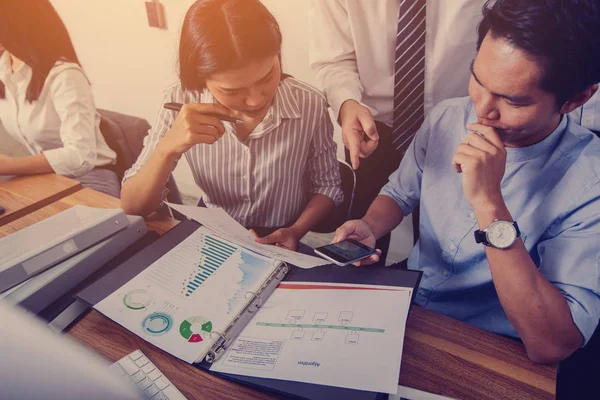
(137, 368)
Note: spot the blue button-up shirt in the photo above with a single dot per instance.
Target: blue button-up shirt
(552, 189)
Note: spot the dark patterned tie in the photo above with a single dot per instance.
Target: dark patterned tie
(409, 78)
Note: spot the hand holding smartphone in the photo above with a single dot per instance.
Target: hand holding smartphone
(345, 252)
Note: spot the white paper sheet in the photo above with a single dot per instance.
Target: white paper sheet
(219, 221)
(339, 335)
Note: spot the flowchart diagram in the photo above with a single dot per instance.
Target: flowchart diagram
(314, 328)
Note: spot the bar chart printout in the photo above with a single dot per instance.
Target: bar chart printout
(214, 253)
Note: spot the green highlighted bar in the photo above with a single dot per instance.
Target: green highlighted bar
(344, 328)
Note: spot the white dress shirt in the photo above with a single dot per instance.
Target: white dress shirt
(62, 123)
(267, 180)
(353, 42)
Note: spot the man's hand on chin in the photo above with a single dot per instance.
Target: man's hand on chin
(481, 159)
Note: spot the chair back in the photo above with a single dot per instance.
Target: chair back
(341, 213)
(125, 135)
(578, 374)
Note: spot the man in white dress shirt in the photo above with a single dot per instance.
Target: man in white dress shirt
(352, 50)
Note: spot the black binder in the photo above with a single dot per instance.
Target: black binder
(389, 276)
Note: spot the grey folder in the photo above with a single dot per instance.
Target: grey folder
(39, 292)
(40, 246)
(330, 273)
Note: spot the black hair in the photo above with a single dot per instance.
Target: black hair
(32, 31)
(564, 34)
(224, 34)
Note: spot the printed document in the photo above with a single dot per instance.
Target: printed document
(169, 305)
(330, 334)
(219, 221)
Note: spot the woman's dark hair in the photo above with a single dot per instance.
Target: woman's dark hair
(224, 34)
(32, 31)
(564, 34)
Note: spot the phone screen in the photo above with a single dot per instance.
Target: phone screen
(347, 250)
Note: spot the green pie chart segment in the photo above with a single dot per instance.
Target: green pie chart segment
(137, 299)
(194, 329)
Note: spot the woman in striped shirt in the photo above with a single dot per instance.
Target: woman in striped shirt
(278, 168)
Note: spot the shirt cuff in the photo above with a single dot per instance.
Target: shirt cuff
(389, 191)
(584, 305)
(339, 95)
(334, 193)
(65, 161)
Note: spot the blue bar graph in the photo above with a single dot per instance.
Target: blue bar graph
(215, 253)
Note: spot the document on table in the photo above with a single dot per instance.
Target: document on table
(330, 334)
(222, 223)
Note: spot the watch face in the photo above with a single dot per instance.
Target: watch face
(501, 234)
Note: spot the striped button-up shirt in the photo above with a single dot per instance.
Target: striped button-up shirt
(266, 180)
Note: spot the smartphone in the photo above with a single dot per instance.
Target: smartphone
(345, 252)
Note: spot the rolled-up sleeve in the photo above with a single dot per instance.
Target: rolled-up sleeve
(332, 54)
(404, 185)
(74, 104)
(570, 259)
(322, 164)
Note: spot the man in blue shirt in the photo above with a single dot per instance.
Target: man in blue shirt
(509, 154)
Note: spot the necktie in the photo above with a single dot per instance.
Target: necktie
(409, 78)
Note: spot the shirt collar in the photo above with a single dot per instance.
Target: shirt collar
(6, 73)
(285, 106)
(543, 147)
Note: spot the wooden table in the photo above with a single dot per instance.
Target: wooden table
(441, 355)
(86, 197)
(24, 194)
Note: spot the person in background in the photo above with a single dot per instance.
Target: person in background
(383, 65)
(276, 171)
(508, 184)
(46, 101)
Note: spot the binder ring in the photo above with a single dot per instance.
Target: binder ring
(219, 334)
(258, 304)
(283, 272)
(211, 356)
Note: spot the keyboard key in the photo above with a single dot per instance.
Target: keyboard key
(154, 375)
(138, 376)
(151, 390)
(162, 383)
(172, 393)
(144, 383)
(160, 396)
(148, 368)
(128, 365)
(136, 354)
(137, 369)
(140, 362)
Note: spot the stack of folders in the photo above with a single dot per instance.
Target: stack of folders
(45, 260)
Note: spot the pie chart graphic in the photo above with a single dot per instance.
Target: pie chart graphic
(194, 329)
(137, 299)
(157, 323)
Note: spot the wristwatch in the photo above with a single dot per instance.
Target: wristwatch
(499, 234)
